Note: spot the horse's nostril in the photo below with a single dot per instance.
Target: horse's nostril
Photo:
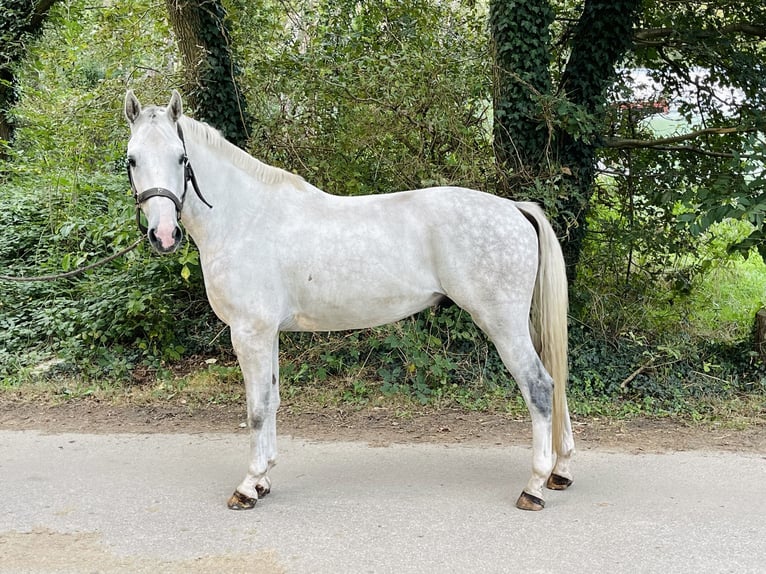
(178, 235)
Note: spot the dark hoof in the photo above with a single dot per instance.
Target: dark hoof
(528, 502)
(556, 482)
(262, 490)
(239, 501)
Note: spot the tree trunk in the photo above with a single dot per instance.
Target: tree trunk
(760, 334)
(601, 38)
(20, 20)
(521, 42)
(527, 141)
(211, 87)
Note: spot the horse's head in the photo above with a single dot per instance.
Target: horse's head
(158, 169)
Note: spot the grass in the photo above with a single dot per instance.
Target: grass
(736, 412)
(724, 303)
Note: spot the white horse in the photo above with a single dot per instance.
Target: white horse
(280, 255)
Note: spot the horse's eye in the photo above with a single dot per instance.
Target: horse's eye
(132, 162)
(182, 160)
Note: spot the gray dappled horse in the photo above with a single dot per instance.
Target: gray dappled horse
(278, 254)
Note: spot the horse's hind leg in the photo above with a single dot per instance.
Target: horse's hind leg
(561, 477)
(536, 387)
(513, 343)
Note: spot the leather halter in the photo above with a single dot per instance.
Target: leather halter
(162, 192)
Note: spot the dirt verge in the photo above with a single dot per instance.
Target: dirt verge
(375, 425)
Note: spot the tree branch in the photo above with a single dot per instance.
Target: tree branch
(41, 12)
(628, 143)
(660, 36)
(697, 150)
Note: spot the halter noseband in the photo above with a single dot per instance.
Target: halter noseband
(162, 192)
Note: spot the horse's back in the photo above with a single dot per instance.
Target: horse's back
(453, 216)
(447, 223)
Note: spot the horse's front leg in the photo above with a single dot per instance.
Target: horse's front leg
(258, 355)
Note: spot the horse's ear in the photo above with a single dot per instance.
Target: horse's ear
(132, 107)
(175, 107)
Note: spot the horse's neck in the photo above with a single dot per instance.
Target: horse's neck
(239, 198)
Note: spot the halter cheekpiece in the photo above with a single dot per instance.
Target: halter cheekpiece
(162, 192)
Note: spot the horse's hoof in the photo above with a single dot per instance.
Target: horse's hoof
(529, 502)
(239, 501)
(558, 482)
(263, 487)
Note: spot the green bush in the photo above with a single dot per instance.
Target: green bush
(358, 98)
(136, 309)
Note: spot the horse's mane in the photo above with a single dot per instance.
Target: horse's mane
(247, 163)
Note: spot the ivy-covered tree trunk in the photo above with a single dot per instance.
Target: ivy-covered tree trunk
(521, 42)
(20, 20)
(529, 140)
(603, 35)
(211, 88)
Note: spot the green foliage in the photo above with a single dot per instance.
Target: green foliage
(368, 97)
(434, 351)
(426, 357)
(705, 68)
(21, 22)
(660, 379)
(104, 323)
(16, 25)
(66, 203)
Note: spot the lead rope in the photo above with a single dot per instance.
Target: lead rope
(79, 270)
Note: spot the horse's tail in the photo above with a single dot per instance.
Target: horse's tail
(549, 312)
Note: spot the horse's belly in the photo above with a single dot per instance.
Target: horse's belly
(357, 310)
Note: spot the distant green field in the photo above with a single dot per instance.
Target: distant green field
(670, 123)
(726, 299)
(665, 125)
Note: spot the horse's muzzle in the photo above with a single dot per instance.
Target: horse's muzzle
(165, 242)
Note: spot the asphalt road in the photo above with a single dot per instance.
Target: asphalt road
(157, 503)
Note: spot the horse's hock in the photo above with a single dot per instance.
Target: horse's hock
(760, 333)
